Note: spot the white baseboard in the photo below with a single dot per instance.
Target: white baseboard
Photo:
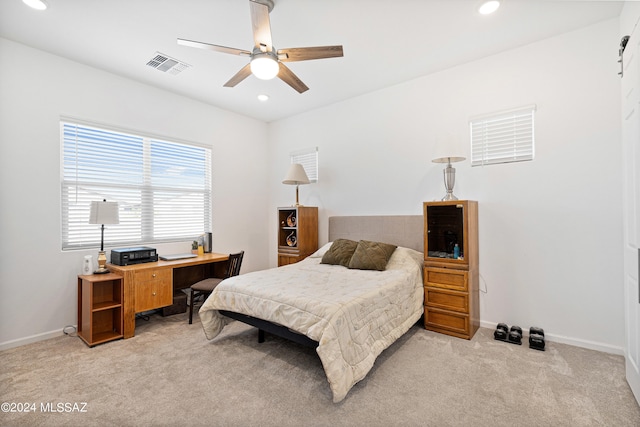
(591, 345)
(31, 339)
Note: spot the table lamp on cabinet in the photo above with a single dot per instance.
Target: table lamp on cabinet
(449, 174)
(296, 176)
(103, 213)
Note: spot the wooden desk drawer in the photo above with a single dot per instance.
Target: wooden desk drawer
(156, 274)
(153, 289)
(443, 321)
(446, 299)
(446, 278)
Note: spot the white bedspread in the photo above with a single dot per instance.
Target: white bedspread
(353, 314)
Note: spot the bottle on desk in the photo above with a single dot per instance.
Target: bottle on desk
(200, 246)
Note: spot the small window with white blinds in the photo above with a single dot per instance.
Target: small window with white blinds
(503, 137)
(163, 188)
(308, 158)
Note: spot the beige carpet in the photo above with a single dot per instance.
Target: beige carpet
(170, 375)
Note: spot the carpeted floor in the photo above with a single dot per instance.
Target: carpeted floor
(170, 375)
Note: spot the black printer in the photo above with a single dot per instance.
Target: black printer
(138, 255)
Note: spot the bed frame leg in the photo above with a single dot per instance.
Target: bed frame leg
(260, 336)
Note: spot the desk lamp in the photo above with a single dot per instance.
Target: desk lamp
(103, 213)
(449, 174)
(296, 176)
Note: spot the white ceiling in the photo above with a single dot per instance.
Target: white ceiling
(385, 41)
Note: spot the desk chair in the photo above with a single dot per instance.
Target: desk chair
(206, 286)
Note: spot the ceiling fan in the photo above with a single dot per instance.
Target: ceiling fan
(267, 62)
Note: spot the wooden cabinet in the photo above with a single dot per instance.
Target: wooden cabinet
(100, 317)
(285, 259)
(451, 275)
(297, 233)
(153, 289)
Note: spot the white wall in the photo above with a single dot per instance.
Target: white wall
(550, 229)
(629, 18)
(37, 280)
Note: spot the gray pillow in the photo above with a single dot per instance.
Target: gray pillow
(340, 252)
(371, 255)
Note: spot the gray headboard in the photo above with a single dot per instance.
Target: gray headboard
(401, 230)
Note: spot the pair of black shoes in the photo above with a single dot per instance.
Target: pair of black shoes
(513, 335)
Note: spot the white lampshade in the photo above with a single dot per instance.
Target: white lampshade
(104, 213)
(264, 66)
(448, 145)
(449, 159)
(296, 175)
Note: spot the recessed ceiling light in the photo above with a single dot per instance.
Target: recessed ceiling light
(263, 98)
(489, 7)
(36, 4)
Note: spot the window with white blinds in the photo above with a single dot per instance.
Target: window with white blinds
(503, 137)
(308, 158)
(163, 188)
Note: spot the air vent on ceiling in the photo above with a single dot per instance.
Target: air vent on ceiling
(166, 64)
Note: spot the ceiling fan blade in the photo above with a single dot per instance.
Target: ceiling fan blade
(261, 26)
(307, 53)
(240, 76)
(287, 76)
(214, 47)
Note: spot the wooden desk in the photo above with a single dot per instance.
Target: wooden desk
(151, 285)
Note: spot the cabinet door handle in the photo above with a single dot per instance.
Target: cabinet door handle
(154, 294)
(153, 275)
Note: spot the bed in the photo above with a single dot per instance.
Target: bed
(350, 315)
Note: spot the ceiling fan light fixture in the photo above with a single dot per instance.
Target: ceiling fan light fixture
(266, 61)
(264, 66)
(488, 7)
(36, 4)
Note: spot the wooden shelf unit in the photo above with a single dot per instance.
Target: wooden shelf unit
(451, 297)
(297, 233)
(100, 317)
